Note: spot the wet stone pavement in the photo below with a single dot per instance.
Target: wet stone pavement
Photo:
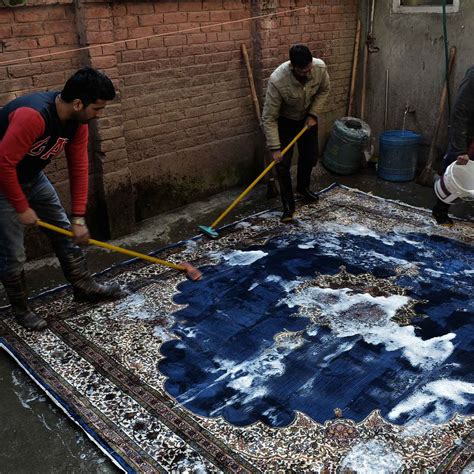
(35, 435)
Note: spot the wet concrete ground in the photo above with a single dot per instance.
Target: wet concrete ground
(35, 436)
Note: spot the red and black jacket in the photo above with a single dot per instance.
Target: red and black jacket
(31, 135)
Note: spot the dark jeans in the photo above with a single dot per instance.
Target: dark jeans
(307, 149)
(45, 202)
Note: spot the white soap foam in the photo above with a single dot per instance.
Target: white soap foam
(196, 467)
(310, 244)
(273, 279)
(435, 273)
(337, 306)
(240, 257)
(372, 457)
(243, 225)
(189, 332)
(312, 330)
(241, 383)
(134, 307)
(331, 245)
(387, 258)
(248, 378)
(416, 428)
(269, 215)
(353, 229)
(344, 347)
(307, 387)
(362, 231)
(190, 246)
(289, 285)
(469, 469)
(391, 239)
(272, 415)
(400, 237)
(268, 279)
(437, 397)
(163, 334)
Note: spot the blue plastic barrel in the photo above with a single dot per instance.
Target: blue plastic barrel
(398, 153)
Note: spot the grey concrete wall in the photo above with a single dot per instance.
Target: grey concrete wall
(412, 49)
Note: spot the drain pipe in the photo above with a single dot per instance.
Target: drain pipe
(369, 48)
(371, 35)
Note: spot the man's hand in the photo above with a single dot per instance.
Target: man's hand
(277, 156)
(462, 160)
(28, 217)
(311, 121)
(81, 233)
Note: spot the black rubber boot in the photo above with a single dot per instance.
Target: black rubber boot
(308, 195)
(85, 288)
(440, 213)
(15, 288)
(287, 197)
(288, 212)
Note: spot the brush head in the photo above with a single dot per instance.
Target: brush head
(191, 272)
(209, 231)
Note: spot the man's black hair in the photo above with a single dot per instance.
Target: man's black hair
(88, 85)
(300, 55)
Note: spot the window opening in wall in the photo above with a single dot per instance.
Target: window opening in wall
(424, 6)
(424, 3)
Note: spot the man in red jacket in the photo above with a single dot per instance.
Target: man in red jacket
(34, 129)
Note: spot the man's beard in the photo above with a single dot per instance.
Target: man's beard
(302, 79)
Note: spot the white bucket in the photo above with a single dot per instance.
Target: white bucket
(456, 182)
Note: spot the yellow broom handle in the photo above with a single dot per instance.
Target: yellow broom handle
(257, 179)
(104, 245)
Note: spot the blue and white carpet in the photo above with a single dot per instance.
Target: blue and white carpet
(342, 342)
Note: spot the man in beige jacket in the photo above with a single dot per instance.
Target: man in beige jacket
(296, 93)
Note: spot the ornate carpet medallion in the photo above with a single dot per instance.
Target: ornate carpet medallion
(343, 343)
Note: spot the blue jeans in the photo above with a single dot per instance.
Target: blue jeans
(44, 200)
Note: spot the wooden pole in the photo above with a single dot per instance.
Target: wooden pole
(364, 82)
(107, 246)
(387, 87)
(427, 175)
(256, 104)
(354, 69)
(256, 180)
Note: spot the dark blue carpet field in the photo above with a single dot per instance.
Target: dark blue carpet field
(252, 349)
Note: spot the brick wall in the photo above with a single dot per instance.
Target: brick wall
(183, 126)
(189, 125)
